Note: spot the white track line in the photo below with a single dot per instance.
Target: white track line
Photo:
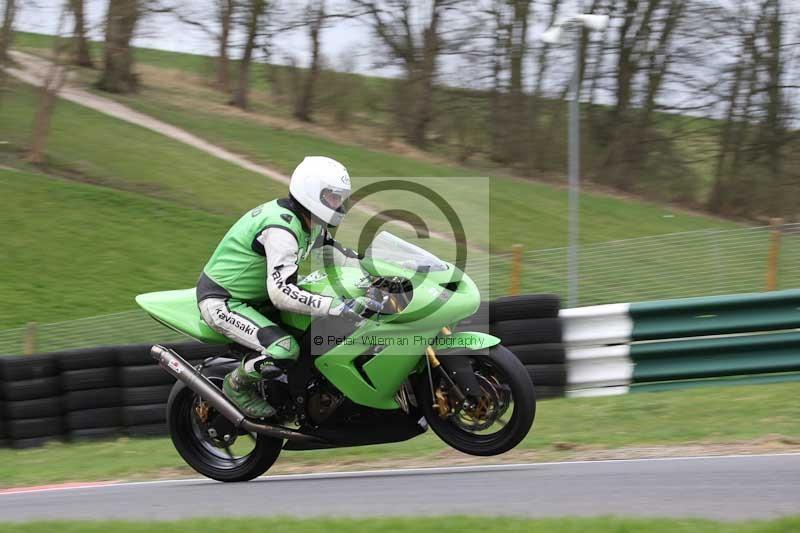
(390, 472)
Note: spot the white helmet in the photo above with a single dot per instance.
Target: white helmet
(321, 185)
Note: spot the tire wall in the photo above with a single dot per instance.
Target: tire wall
(530, 327)
(89, 393)
(112, 391)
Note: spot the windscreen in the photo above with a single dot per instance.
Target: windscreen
(392, 249)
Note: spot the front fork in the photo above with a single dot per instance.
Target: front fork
(456, 368)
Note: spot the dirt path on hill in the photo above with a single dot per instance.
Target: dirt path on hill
(32, 69)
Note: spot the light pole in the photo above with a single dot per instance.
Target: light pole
(573, 25)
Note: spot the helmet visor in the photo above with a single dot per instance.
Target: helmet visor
(335, 199)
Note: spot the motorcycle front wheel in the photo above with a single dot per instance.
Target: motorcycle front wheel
(495, 423)
(246, 457)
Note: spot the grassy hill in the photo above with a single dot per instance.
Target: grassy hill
(177, 89)
(458, 131)
(76, 250)
(119, 210)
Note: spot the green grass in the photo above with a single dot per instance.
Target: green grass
(89, 146)
(522, 211)
(72, 248)
(156, 207)
(530, 213)
(460, 111)
(563, 428)
(81, 250)
(440, 524)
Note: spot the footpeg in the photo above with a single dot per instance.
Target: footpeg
(270, 371)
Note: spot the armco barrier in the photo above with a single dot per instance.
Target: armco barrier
(119, 390)
(716, 357)
(612, 349)
(695, 317)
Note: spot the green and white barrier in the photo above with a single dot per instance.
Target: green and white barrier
(745, 338)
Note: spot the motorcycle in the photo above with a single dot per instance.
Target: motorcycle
(372, 379)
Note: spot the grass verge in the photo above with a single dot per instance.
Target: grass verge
(88, 146)
(81, 250)
(732, 419)
(162, 205)
(442, 524)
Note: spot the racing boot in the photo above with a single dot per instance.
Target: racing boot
(241, 387)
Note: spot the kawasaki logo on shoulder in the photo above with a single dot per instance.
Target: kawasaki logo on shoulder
(287, 218)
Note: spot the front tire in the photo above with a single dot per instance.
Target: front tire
(202, 455)
(508, 371)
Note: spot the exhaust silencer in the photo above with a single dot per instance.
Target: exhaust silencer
(183, 371)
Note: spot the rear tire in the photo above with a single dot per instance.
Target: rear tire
(516, 378)
(196, 452)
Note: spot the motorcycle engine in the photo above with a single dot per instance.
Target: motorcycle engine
(322, 403)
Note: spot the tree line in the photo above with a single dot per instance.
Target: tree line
(690, 101)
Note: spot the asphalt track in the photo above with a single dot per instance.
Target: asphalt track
(725, 488)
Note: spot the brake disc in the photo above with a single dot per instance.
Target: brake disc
(484, 412)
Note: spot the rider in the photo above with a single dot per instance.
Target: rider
(256, 263)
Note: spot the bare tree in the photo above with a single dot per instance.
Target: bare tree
(754, 175)
(498, 133)
(83, 57)
(508, 107)
(417, 51)
(118, 75)
(541, 126)
(729, 137)
(6, 36)
(216, 19)
(517, 49)
(773, 135)
(254, 11)
(643, 50)
(315, 19)
(225, 11)
(542, 59)
(7, 30)
(53, 81)
(122, 19)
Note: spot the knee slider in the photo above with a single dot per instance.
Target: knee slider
(283, 348)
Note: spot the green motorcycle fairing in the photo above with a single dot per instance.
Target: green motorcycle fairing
(394, 344)
(178, 311)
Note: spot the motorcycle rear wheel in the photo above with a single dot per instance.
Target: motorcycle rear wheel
(200, 454)
(513, 377)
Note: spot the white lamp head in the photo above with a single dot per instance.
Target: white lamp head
(590, 22)
(552, 35)
(593, 22)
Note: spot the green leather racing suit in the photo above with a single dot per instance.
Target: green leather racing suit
(256, 264)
